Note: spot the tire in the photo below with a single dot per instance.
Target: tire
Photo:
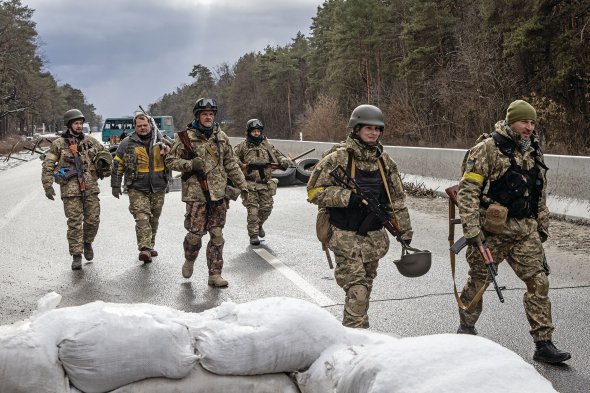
(286, 177)
(305, 169)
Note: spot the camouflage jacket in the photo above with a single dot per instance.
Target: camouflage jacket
(248, 153)
(142, 165)
(324, 191)
(59, 157)
(220, 163)
(486, 163)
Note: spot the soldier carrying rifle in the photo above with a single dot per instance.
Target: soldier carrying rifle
(76, 161)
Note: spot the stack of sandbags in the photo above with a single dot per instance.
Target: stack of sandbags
(445, 363)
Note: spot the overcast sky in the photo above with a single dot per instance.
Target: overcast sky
(125, 53)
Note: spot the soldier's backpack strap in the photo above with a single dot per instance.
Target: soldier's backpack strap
(350, 166)
(385, 183)
(273, 158)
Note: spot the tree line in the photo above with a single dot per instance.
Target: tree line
(443, 72)
(29, 94)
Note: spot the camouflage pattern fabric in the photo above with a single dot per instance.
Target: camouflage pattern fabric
(200, 219)
(525, 257)
(219, 168)
(518, 243)
(146, 208)
(259, 205)
(357, 256)
(82, 228)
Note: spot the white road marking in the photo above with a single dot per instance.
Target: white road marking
(289, 273)
(18, 208)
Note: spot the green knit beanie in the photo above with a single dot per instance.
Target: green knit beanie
(520, 110)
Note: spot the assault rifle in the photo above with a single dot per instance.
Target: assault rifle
(484, 251)
(375, 207)
(73, 145)
(261, 166)
(201, 177)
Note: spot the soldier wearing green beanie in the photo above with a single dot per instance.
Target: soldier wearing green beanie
(520, 110)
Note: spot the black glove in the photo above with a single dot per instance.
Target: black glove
(355, 200)
(102, 167)
(543, 236)
(50, 193)
(476, 240)
(117, 192)
(198, 165)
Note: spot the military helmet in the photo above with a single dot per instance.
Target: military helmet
(204, 104)
(366, 115)
(254, 124)
(414, 264)
(71, 115)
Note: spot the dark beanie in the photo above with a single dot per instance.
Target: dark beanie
(520, 110)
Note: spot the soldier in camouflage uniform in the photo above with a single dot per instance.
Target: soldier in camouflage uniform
(140, 159)
(506, 172)
(357, 256)
(255, 155)
(206, 210)
(82, 211)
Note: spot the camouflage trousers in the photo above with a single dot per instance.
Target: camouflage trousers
(259, 206)
(82, 226)
(525, 257)
(146, 208)
(357, 259)
(198, 220)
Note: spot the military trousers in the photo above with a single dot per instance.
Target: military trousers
(525, 257)
(200, 218)
(146, 208)
(259, 206)
(357, 258)
(82, 222)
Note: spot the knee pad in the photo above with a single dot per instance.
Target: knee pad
(538, 285)
(142, 219)
(357, 300)
(216, 236)
(192, 239)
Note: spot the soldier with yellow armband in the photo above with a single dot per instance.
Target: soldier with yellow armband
(502, 202)
(139, 159)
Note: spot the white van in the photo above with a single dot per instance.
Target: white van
(86, 128)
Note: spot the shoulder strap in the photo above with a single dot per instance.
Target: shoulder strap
(350, 166)
(385, 183)
(270, 153)
(506, 145)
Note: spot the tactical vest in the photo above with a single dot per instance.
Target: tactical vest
(517, 189)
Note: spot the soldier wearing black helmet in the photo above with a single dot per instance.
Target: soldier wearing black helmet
(357, 256)
(204, 182)
(78, 183)
(256, 156)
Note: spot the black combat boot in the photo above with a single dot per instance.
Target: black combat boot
(88, 251)
(547, 352)
(77, 262)
(261, 232)
(464, 329)
(254, 240)
(145, 255)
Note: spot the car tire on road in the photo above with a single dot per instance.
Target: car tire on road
(305, 169)
(286, 177)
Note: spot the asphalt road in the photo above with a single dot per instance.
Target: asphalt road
(34, 260)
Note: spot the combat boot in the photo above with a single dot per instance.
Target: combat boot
(153, 252)
(145, 256)
(261, 232)
(547, 352)
(464, 329)
(88, 251)
(77, 262)
(187, 269)
(217, 281)
(254, 240)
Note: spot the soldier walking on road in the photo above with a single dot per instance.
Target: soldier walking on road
(502, 201)
(357, 255)
(75, 161)
(207, 162)
(139, 158)
(257, 159)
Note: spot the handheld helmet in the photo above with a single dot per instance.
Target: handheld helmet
(204, 104)
(366, 115)
(414, 264)
(71, 115)
(254, 124)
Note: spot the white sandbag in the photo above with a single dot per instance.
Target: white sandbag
(445, 363)
(28, 361)
(122, 344)
(265, 336)
(202, 381)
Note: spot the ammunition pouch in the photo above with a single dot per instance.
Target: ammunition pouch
(323, 227)
(232, 192)
(64, 174)
(130, 168)
(272, 186)
(495, 218)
